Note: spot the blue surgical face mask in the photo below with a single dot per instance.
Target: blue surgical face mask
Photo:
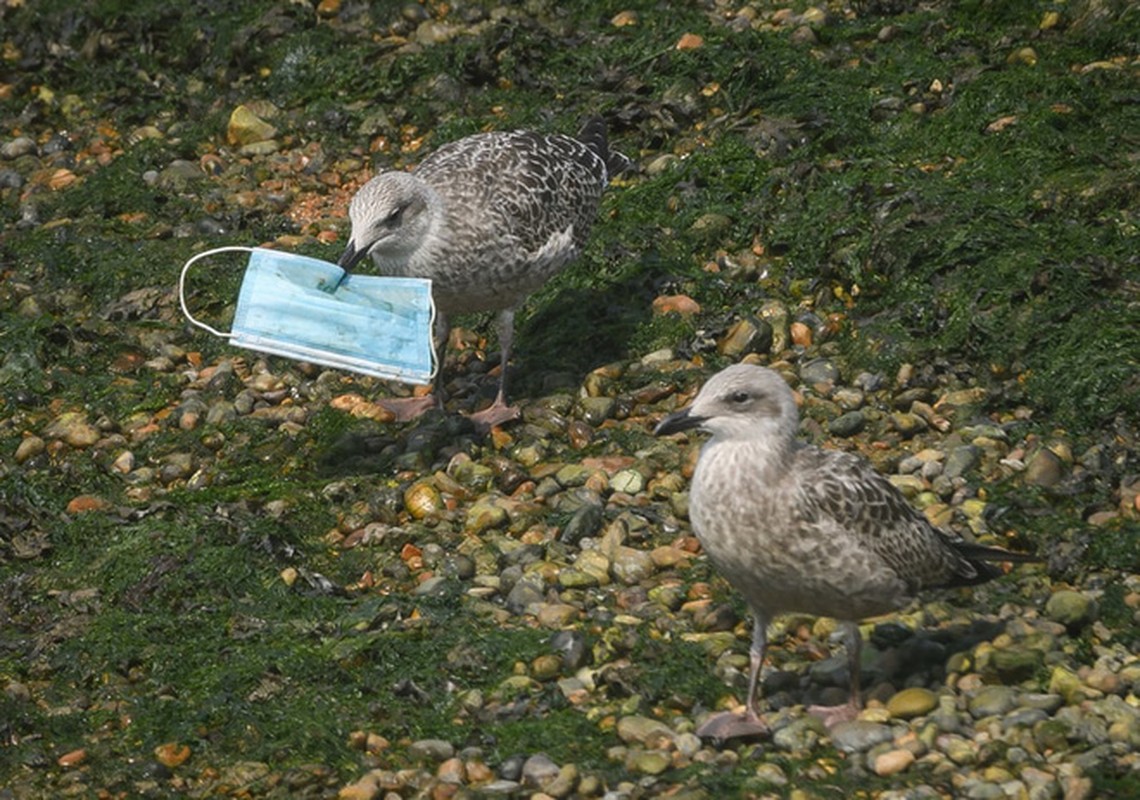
(310, 310)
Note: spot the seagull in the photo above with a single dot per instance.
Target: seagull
(489, 219)
(796, 528)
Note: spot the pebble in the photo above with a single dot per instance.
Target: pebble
(819, 371)
(1044, 468)
(435, 586)
(908, 424)
(992, 701)
(910, 485)
(585, 522)
(17, 147)
(748, 335)
(629, 481)
(72, 758)
(435, 750)
(644, 731)
(676, 304)
(1067, 684)
(85, 503)
(453, 771)
(246, 128)
(848, 398)
(539, 770)
(1014, 663)
(29, 447)
(555, 615)
(801, 334)
(179, 175)
(847, 424)
(859, 735)
(649, 762)
(913, 702)
(1023, 718)
(485, 514)
(500, 788)
(776, 315)
(960, 460)
(962, 398)
(172, 754)
(596, 410)
(892, 762)
(632, 565)
(958, 749)
(1070, 608)
(564, 783)
(72, 427)
(767, 772)
(1049, 703)
(801, 735)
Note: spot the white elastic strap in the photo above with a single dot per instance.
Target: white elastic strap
(182, 286)
(431, 337)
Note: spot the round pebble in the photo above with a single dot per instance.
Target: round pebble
(892, 762)
(913, 702)
(1071, 609)
(859, 735)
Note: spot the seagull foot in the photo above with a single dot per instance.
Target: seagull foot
(831, 716)
(408, 408)
(729, 725)
(495, 414)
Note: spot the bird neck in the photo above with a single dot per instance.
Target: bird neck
(761, 456)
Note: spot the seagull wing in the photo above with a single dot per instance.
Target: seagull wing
(874, 515)
(525, 186)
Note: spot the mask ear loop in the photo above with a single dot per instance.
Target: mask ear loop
(435, 359)
(182, 287)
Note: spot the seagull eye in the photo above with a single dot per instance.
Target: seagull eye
(394, 217)
(739, 397)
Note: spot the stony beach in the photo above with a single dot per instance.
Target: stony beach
(225, 574)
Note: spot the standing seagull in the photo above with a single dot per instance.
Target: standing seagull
(489, 219)
(799, 529)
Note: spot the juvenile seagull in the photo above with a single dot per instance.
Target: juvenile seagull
(799, 529)
(489, 219)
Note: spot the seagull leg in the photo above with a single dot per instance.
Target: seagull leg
(499, 412)
(408, 408)
(730, 725)
(833, 715)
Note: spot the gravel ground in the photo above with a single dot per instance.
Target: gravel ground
(229, 575)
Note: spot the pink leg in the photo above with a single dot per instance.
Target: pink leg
(729, 725)
(408, 408)
(499, 412)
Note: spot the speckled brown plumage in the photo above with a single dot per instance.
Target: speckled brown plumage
(797, 528)
(488, 218)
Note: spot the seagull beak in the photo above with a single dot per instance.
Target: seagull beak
(351, 257)
(678, 421)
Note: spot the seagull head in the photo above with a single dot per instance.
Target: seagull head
(390, 216)
(742, 402)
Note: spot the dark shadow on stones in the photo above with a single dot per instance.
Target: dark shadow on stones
(577, 330)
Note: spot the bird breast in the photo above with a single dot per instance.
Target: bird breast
(747, 512)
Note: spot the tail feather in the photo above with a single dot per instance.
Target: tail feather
(979, 563)
(980, 552)
(593, 135)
